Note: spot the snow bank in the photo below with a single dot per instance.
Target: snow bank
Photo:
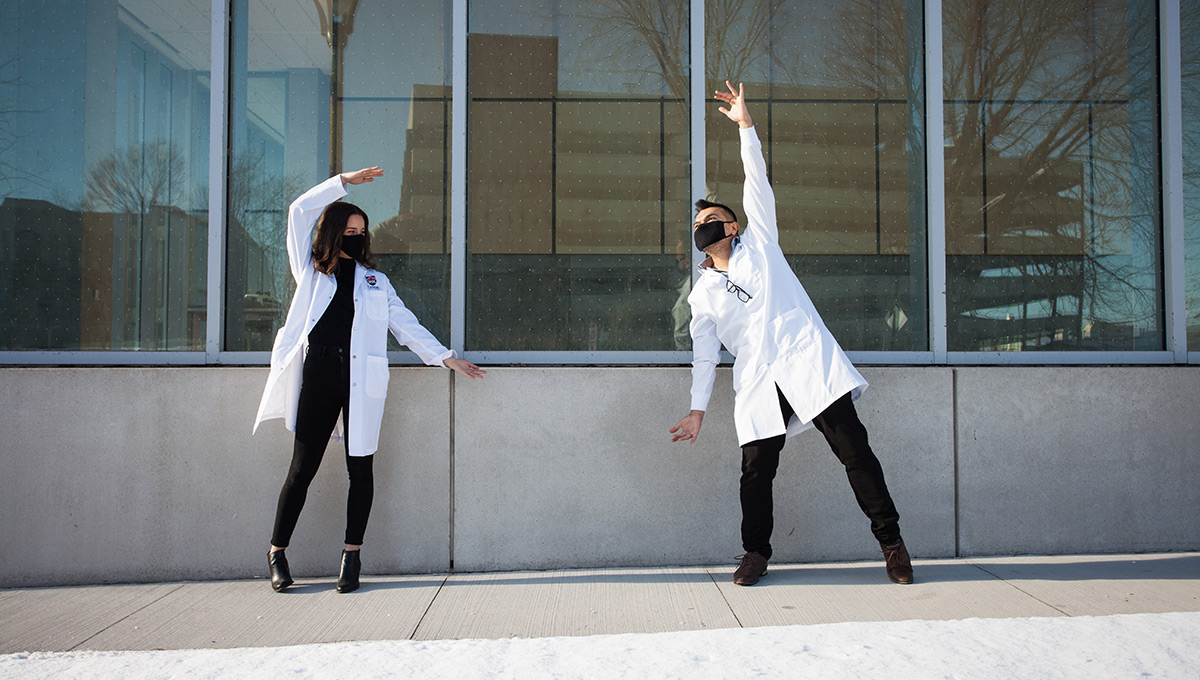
(1129, 646)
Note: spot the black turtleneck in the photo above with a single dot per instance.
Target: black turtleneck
(333, 328)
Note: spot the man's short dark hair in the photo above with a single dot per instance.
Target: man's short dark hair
(703, 204)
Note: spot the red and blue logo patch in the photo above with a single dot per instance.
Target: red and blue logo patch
(371, 280)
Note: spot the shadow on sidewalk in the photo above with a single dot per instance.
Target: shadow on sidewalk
(1156, 567)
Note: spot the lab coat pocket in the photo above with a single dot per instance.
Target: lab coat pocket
(377, 305)
(793, 331)
(377, 377)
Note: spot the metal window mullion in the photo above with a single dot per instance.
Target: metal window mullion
(1065, 358)
(218, 157)
(935, 181)
(890, 358)
(102, 358)
(696, 108)
(458, 178)
(666, 358)
(1171, 89)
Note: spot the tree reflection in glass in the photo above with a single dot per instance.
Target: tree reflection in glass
(1051, 156)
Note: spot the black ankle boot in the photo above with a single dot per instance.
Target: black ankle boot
(348, 577)
(281, 576)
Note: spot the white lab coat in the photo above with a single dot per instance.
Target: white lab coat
(376, 309)
(777, 337)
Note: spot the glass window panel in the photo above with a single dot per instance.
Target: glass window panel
(103, 175)
(577, 214)
(386, 69)
(1052, 176)
(1189, 33)
(835, 89)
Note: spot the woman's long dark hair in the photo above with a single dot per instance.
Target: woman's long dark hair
(327, 246)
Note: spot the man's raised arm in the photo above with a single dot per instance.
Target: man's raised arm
(758, 200)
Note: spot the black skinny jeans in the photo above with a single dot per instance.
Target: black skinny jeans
(324, 392)
(848, 439)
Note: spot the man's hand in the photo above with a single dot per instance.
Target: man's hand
(464, 367)
(737, 106)
(361, 176)
(688, 428)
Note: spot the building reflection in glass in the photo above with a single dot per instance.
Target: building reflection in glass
(103, 176)
(838, 102)
(577, 174)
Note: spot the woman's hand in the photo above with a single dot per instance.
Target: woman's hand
(737, 111)
(361, 176)
(464, 367)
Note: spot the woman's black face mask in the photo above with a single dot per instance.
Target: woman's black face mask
(709, 233)
(353, 245)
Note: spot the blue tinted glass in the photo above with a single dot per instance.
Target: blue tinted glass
(104, 119)
(313, 97)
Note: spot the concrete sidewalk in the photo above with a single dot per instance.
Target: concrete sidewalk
(224, 614)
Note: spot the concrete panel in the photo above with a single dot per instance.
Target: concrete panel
(586, 602)
(228, 614)
(151, 474)
(1095, 585)
(908, 413)
(561, 467)
(1085, 459)
(61, 619)
(838, 592)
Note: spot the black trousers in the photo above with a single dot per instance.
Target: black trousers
(324, 392)
(848, 439)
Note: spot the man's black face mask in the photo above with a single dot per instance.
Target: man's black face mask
(709, 233)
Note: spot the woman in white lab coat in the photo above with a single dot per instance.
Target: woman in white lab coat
(330, 359)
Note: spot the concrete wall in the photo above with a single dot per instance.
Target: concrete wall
(143, 474)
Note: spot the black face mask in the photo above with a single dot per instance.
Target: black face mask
(709, 233)
(353, 245)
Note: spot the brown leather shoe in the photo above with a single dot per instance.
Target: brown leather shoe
(752, 567)
(899, 565)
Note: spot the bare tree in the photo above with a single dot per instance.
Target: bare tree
(258, 200)
(10, 170)
(1040, 171)
(135, 180)
(653, 37)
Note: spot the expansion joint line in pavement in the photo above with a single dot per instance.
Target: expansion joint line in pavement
(1010, 584)
(726, 599)
(148, 604)
(421, 619)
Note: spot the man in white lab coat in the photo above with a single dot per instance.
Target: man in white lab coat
(789, 373)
